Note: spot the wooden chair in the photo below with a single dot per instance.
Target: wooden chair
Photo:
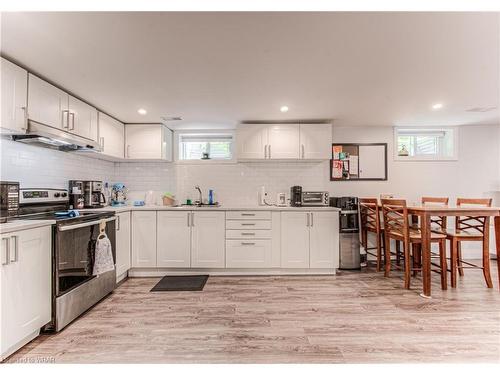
(370, 222)
(397, 227)
(470, 228)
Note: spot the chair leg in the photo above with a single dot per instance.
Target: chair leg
(459, 259)
(398, 256)
(417, 257)
(486, 262)
(387, 252)
(379, 252)
(444, 267)
(407, 259)
(414, 251)
(453, 262)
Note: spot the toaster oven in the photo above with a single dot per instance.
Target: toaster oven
(315, 198)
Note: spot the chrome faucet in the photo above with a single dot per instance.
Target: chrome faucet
(201, 195)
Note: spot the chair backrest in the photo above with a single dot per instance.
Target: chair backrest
(478, 223)
(370, 214)
(438, 220)
(395, 214)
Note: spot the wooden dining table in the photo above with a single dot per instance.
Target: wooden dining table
(425, 212)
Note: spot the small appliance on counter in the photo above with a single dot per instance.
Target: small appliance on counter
(350, 252)
(9, 200)
(262, 196)
(93, 194)
(315, 198)
(119, 194)
(76, 199)
(281, 199)
(296, 196)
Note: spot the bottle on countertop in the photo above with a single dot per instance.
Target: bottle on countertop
(210, 196)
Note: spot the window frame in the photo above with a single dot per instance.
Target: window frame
(223, 132)
(455, 140)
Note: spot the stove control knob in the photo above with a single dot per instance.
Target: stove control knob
(56, 195)
(64, 195)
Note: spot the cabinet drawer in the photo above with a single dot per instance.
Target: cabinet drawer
(235, 234)
(248, 253)
(248, 224)
(248, 215)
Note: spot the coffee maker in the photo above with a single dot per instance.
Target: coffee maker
(296, 196)
(93, 194)
(76, 199)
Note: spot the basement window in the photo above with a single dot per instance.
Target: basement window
(205, 146)
(425, 144)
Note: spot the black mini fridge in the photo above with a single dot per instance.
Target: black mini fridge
(350, 251)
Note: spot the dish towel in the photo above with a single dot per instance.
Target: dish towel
(103, 255)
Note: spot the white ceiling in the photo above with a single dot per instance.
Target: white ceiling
(222, 68)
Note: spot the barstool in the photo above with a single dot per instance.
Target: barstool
(370, 222)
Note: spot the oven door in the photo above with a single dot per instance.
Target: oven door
(75, 253)
(314, 199)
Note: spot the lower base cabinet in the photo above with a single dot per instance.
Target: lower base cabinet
(208, 239)
(174, 239)
(143, 239)
(123, 226)
(26, 286)
(248, 254)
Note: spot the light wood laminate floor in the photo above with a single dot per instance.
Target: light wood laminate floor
(351, 318)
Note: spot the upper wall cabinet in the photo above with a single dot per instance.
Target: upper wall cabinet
(111, 136)
(148, 142)
(14, 98)
(53, 107)
(284, 141)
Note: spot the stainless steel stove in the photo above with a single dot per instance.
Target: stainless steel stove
(74, 288)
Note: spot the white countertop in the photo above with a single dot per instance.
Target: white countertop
(221, 208)
(16, 225)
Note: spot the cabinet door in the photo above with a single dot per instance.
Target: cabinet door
(315, 141)
(294, 240)
(173, 239)
(111, 136)
(144, 141)
(251, 141)
(47, 104)
(208, 239)
(14, 98)
(248, 253)
(144, 239)
(324, 239)
(168, 144)
(122, 243)
(83, 119)
(26, 285)
(283, 141)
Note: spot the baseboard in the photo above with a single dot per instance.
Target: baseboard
(159, 272)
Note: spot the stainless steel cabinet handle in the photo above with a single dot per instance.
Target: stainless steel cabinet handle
(102, 143)
(128, 151)
(312, 219)
(118, 223)
(188, 223)
(303, 152)
(265, 151)
(7, 251)
(247, 214)
(25, 118)
(248, 233)
(192, 219)
(269, 152)
(307, 222)
(248, 243)
(72, 115)
(247, 224)
(16, 248)
(65, 115)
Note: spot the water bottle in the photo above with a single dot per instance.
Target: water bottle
(210, 197)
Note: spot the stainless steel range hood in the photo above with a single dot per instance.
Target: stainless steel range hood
(47, 136)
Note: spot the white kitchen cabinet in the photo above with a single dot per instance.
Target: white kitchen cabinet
(324, 240)
(252, 141)
(309, 239)
(111, 136)
(123, 248)
(208, 239)
(174, 239)
(144, 239)
(283, 141)
(316, 141)
(248, 253)
(47, 104)
(294, 240)
(82, 119)
(148, 142)
(14, 90)
(26, 287)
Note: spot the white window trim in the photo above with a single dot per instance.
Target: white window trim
(177, 134)
(454, 157)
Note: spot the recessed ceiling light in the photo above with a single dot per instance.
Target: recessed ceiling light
(284, 108)
(142, 111)
(437, 106)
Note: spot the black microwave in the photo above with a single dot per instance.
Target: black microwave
(9, 200)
